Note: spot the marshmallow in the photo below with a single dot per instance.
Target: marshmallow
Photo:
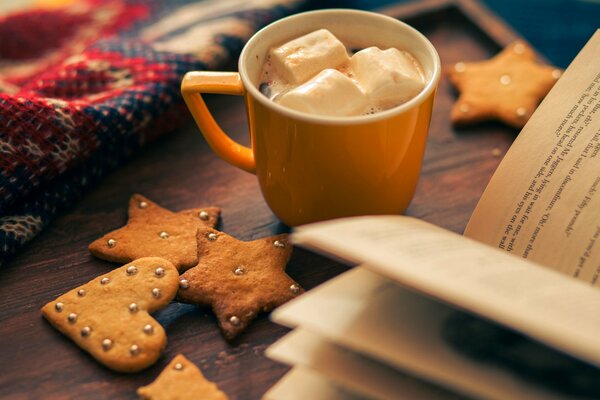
(302, 58)
(388, 77)
(329, 93)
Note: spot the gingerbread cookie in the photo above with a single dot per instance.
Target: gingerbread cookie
(181, 380)
(109, 316)
(508, 87)
(238, 279)
(153, 231)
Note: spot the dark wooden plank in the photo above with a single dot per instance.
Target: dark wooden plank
(474, 12)
(181, 172)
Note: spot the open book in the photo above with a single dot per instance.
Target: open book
(509, 310)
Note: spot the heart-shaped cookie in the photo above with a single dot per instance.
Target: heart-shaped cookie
(109, 316)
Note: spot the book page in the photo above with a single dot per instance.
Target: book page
(359, 373)
(542, 203)
(302, 384)
(529, 298)
(371, 315)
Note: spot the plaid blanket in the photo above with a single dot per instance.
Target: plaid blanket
(83, 87)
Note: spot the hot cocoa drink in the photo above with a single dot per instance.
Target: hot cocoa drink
(316, 74)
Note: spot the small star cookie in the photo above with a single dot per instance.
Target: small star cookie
(238, 279)
(153, 231)
(109, 317)
(508, 87)
(181, 380)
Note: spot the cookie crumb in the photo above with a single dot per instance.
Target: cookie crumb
(182, 380)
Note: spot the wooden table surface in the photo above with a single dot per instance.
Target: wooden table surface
(180, 171)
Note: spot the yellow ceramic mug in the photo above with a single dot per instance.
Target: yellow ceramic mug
(313, 167)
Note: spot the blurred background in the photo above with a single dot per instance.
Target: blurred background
(125, 62)
(558, 29)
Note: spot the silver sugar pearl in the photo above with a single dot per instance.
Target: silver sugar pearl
(557, 73)
(521, 112)
(239, 271)
(178, 366)
(519, 48)
(279, 243)
(156, 292)
(203, 215)
(104, 281)
(233, 320)
(294, 288)
(81, 292)
(59, 306)
(148, 329)
(107, 344)
(163, 235)
(132, 270)
(212, 236)
(505, 80)
(133, 307)
(134, 350)
(184, 284)
(72, 318)
(85, 331)
(460, 67)
(111, 242)
(142, 204)
(159, 272)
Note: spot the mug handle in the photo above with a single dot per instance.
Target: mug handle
(197, 82)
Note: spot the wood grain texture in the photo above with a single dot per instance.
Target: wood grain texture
(181, 172)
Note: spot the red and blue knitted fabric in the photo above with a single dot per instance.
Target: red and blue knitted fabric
(83, 87)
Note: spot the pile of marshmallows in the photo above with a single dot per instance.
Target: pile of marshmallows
(314, 74)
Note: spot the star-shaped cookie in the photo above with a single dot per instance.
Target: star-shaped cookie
(153, 231)
(238, 279)
(508, 87)
(181, 380)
